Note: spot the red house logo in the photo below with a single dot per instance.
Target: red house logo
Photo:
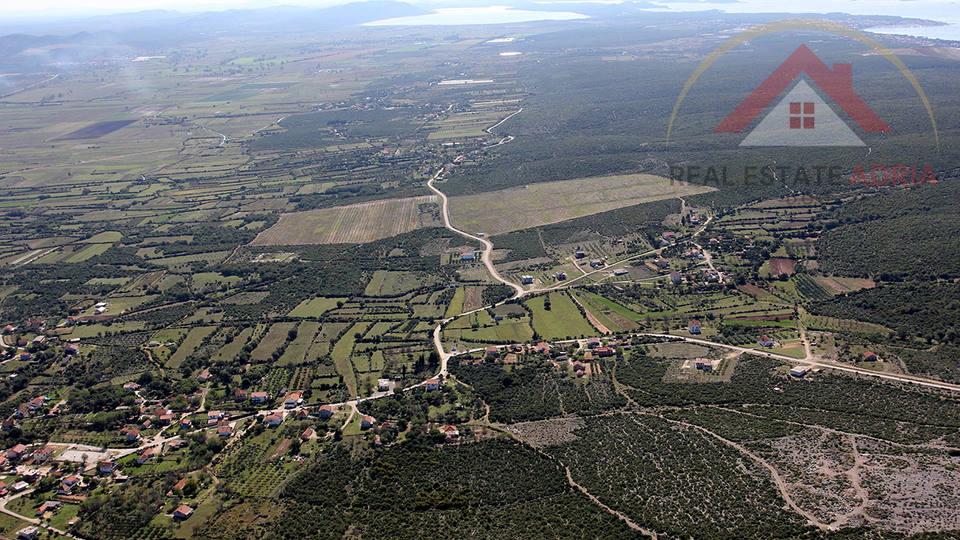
(803, 117)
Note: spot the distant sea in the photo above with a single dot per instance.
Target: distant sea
(478, 15)
(950, 32)
(947, 11)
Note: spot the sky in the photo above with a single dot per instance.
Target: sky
(944, 10)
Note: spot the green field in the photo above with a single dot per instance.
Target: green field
(315, 307)
(342, 352)
(386, 283)
(563, 320)
(296, 352)
(88, 253)
(189, 345)
(275, 337)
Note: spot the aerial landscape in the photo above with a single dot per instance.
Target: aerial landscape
(384, 270)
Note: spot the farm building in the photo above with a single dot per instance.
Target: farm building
(561, 275)
(526, 279)
(580, 254)
(766, 341)
(383, 385)
(620, 272)
(492, 351)
(468, 256)
(694, 326)
(596, 263)
(704, 364)
(870, 357)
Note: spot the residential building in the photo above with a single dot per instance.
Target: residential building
(325, 412)
(182, 512)
(292, 399)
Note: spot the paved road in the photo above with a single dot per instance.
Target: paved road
(820, 363)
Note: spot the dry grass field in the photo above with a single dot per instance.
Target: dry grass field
(358, 223)
(551, 202)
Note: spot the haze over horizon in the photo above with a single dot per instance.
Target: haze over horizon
(942, 10)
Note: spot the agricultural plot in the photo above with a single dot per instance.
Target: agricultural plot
(87, 253)
(563, 320)
(183, 262)
(108, 237)
(229, 351)
(552, 202)
(391, 284)
(343, 351)
(833, 324)
(456, 304)
(356, 223)
(686, 465)
(513, 332)
(608, 313)
(189, 345)
(315, 307)
(839, 285)
(809, 288)
(275, 337)
(296, 351)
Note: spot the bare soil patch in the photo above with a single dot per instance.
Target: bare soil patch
(782, 266)
(548, 432)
